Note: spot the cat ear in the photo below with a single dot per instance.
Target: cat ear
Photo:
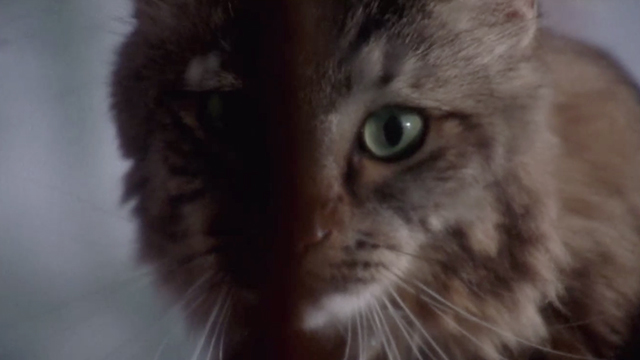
(522, 9)
(523, 14)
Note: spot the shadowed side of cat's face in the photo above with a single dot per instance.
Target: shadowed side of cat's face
(423, 116)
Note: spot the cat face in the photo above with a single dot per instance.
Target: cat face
(424, 176)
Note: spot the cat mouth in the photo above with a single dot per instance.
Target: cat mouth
(338, 282)
(344, 290)
(337, 307)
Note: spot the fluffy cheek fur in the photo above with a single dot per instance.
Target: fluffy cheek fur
(487, 274)
(192, 232)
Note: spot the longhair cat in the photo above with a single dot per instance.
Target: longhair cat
(475, 179)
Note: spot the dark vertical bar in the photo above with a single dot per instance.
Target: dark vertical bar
(281, 39)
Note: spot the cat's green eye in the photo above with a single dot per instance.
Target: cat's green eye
(393, 133)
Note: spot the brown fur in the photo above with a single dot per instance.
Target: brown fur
(521, 209)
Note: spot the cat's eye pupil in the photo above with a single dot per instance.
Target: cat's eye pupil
(393, 133)
(393, 130)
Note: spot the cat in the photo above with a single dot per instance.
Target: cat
(475, 178)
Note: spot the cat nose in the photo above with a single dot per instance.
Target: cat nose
(321, 235)
(316, 236)
(322, 228)
(326, 209)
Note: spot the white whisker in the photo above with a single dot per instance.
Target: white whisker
(386, 328)
(577, 323)
(162, 346)
(402, 327)
(479, 321)
(382, 333)
(435, 308)
(360, 339)
(146, 335)
(492, 327)
(212, 318)
(419, 326)
(369, 331)
(348, 348)
(365, 335)
(172, 331)
(218, 325)
(227, 316)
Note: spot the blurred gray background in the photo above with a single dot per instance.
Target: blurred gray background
(69, 285)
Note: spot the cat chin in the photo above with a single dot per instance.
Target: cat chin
(335, 309)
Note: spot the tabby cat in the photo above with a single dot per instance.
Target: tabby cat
(475, 178)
